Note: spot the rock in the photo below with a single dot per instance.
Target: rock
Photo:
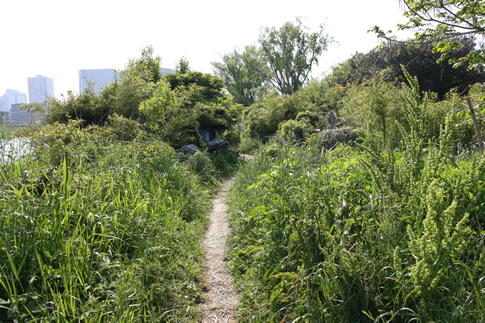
(329, 139)
(190, 149)
(216, 143)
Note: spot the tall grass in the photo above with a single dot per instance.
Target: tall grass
(112, 235)
(6, 131)
(362, 234)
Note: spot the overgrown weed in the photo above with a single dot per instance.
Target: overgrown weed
(100, 230)
(363, 233)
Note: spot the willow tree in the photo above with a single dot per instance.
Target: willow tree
(245, 74)
(291, 52)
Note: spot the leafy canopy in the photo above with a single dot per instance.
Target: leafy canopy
(245, 74)
(420, 61)
(443, 21)
(291, 52)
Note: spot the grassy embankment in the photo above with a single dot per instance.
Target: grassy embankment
(98, 230)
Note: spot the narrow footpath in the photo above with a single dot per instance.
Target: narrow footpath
(220, 299)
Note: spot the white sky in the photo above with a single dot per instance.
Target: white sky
(56, 38)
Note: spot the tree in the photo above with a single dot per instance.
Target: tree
(420, 61)
(245, 75)
(136, 84)
(290, 53)
(146, 66)
(200, 104)
(443, 22)
(155, 107)
(183, 66)
(210, 86)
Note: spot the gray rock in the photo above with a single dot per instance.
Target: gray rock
(215, 142)
(190, 149)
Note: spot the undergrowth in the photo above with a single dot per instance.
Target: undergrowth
(362, 234)
(100, 230)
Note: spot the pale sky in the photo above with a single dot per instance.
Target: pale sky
(57, 38)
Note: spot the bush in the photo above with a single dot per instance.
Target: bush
(293, 131)
(201, 164)
(329, 139)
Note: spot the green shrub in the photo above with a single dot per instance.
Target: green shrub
(329, 139)
(293, 131)
(201, 164)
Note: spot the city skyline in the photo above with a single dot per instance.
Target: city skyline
(10, 97)
(90, 35)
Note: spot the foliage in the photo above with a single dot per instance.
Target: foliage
(444, 21)
(201, 165)
(282, 61)
(362, 233)
(420, 61)
(136, 83)
(330, 138)
(210, 85)
(200, 104)
(88, 107)
(375, 105)
(109, 232)
(307, 106)
(291, 52)
(262, 119)
(7, 131)
(380, 106)
(147, 66)
(183, 66)
(293, 131)
(245, 74)
(174, 107)
(154, 109)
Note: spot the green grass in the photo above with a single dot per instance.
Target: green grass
(318, 240)
(7, 131)
(362, 234)
(112, 235)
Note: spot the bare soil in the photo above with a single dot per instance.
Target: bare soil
(220, 299)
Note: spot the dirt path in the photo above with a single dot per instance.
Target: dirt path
(220, 299)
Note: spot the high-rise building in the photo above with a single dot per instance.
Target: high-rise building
(40, 89)
(12, 97)
(98, 77)
(102, 77)
(21, 116)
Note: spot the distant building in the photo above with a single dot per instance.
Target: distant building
(21, 116)
(11, 97)
(99, 77)
(40, 89)
(102, 77)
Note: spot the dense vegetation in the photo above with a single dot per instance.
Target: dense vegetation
(364, 200)
(359, 234)
(101, 217)
(102, 230)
